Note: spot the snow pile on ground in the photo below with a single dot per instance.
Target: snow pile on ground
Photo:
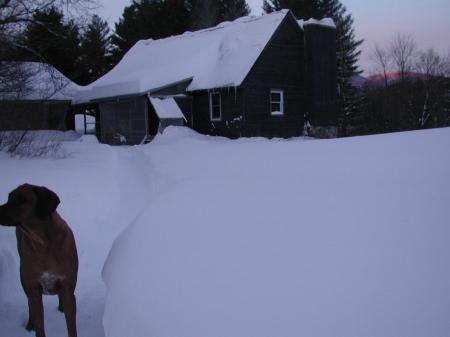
(31, 144)
(101, 190)
(250, 238)
(247, 238)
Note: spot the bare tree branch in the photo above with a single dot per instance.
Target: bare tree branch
(382, 58)
(431, 64)
(403, 48)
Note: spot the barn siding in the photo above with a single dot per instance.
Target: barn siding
(232, 103)
(280, 66)
(23, 115)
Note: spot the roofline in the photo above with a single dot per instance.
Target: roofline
(149, 91)
(288, 14)
(53, 101)
(138, 94)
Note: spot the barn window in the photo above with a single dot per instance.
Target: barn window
(215, 106)
(276, 102)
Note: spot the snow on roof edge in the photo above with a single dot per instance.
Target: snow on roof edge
(325, 22)
(166, 107)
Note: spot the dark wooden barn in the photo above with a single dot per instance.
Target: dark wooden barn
(256, 76)
(41, 101)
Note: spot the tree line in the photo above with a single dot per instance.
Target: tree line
(409, 90)
(45, 31)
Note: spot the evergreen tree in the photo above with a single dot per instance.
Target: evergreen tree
(203, 14)
(148, 19)
(95, 58)
(302, 9)
(347, 50)
(48, 38)
(230, 10)
(206, 13)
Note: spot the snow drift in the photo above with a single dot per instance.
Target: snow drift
(252, 238)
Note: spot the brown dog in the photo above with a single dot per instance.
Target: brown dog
(48, 255)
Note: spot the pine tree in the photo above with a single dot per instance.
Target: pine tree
(149, 19)
(95, 58)
(302, 9)
(48, 38)
(206, 13)
(230, 10)
(347, 53)
(203, 14)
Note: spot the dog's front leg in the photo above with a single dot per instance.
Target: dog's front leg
(69, 305)
(30, 325)
(36, 309)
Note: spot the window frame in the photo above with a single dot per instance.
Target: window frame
(281, 102)
(211, 107)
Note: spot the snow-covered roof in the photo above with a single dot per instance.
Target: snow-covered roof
(38, 81)
(216, 57)
(166, 107)
(326, 22)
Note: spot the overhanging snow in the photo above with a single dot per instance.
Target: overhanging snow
(166, 108)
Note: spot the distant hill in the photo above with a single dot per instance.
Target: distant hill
(358, 81)
(377, 79)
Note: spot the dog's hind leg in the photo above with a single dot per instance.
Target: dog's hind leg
(70, 311)
(60, 305)
(37, 313)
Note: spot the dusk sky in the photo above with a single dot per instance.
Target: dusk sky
(375, 21)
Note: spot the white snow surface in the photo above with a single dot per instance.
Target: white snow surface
(251, 237)
(215, 57)
(43, 82)
(166, 107)
(326, 22)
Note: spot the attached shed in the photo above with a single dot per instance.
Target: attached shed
(40, 100)
(255, 76)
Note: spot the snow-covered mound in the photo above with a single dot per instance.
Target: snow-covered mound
(101, 190)
(251, 238)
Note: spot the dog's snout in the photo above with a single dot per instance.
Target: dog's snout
(5, 218)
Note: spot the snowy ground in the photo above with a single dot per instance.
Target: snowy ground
(247, 238)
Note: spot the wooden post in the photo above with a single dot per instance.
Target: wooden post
(85, 126)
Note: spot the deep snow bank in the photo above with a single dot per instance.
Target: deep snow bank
(256, 238)
(93, 182)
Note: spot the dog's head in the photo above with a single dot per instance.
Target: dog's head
(27, 203)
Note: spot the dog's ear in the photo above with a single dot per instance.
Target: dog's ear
(47, 202)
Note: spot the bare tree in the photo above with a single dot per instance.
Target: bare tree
(382, 58)
(14, 16)
(431, 64)
(447, 65)
(403, 48)
(433, 67)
